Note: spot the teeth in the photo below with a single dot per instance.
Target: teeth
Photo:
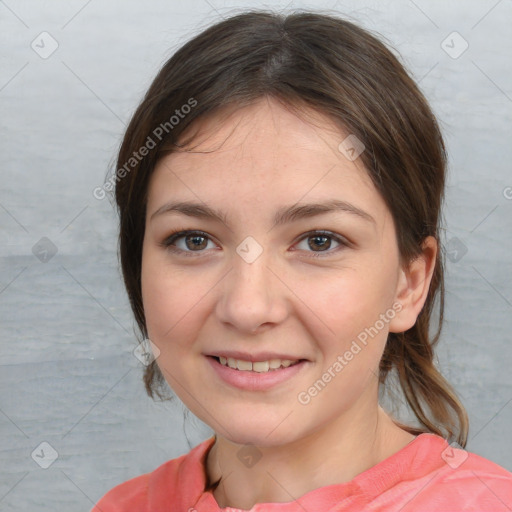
(244, 365)
(258, 366)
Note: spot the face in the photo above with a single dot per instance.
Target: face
(267, 280)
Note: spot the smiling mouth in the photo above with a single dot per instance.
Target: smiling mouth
(256, 366)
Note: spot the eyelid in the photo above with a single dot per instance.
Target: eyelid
(170, 239)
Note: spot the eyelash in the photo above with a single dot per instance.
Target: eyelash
(175, 235)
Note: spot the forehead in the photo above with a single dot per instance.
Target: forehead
(262, 156)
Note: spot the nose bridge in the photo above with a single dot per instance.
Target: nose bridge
(249, 297)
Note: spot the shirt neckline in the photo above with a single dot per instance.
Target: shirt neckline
(420, 456)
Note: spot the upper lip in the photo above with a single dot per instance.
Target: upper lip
(255, 357)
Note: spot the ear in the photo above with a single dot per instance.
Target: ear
(412, 286)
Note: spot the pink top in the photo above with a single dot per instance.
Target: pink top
(427, 475)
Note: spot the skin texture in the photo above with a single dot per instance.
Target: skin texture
(249, 164)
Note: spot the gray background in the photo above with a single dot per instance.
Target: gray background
(68, 376)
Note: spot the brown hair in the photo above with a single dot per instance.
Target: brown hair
(333, 66)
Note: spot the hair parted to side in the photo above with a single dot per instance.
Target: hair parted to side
(317, 61)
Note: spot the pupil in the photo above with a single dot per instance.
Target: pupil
(325, 238)
(195, 238)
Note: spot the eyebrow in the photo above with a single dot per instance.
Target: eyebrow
(282, 216)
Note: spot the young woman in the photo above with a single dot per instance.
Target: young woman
(279, 191)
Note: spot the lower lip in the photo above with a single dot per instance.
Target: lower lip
(254, 381)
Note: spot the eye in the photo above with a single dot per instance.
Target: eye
(322, 240)
(193, 242)
(188, 242)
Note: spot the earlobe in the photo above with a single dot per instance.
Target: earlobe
(412, 286)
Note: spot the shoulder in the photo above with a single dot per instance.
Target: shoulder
(159, 487)
(478, 483)
(463, 481)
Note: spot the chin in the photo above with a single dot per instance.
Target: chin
(265, 434)
(257, 439)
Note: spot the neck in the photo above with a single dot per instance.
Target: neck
(331, 455)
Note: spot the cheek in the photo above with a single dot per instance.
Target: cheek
(351, 306)
(348, 301)
(173, 300)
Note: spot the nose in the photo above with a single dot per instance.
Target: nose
(252, 296)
